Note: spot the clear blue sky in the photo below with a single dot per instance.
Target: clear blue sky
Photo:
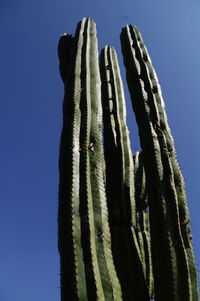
(31, 119)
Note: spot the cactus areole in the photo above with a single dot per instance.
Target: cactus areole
(123, 220)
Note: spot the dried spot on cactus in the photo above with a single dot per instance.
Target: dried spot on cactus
(170, 152)
(100, 236)
(145, 57)
(155, 89)
(190, 237)
(186, 221)
(157, 128)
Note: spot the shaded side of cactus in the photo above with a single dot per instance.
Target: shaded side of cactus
(120, 180)
(87, 269)
(163, 198)
(64, 53)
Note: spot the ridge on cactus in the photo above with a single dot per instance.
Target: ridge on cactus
(123, 220)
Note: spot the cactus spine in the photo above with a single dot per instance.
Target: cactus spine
(123, 224)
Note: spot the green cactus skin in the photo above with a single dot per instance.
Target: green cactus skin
(164, 204)
(87, 268)
(120, 180)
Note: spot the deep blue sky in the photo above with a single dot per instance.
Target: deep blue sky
(31, 119)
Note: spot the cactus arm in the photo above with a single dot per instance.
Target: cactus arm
(93, 278)
(155, 99)
(128, 166)
(153, 166)
(177, 174)
(116, 128)
(84, 235)
(73, 282)
(153, 85)
(112, 145)
(109, 278)
(102, 282)
(125, 245)
(184, 216)
(176, 203)
(113, 155)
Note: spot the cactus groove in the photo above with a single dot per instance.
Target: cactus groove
(123, 220)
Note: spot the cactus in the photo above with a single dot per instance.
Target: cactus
(120, 180)
(87, 269)
(171, 263)
(123, 220)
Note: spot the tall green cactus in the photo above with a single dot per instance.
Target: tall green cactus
(120, 180)
(87, 269)
(168, 207)
(123, 220)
